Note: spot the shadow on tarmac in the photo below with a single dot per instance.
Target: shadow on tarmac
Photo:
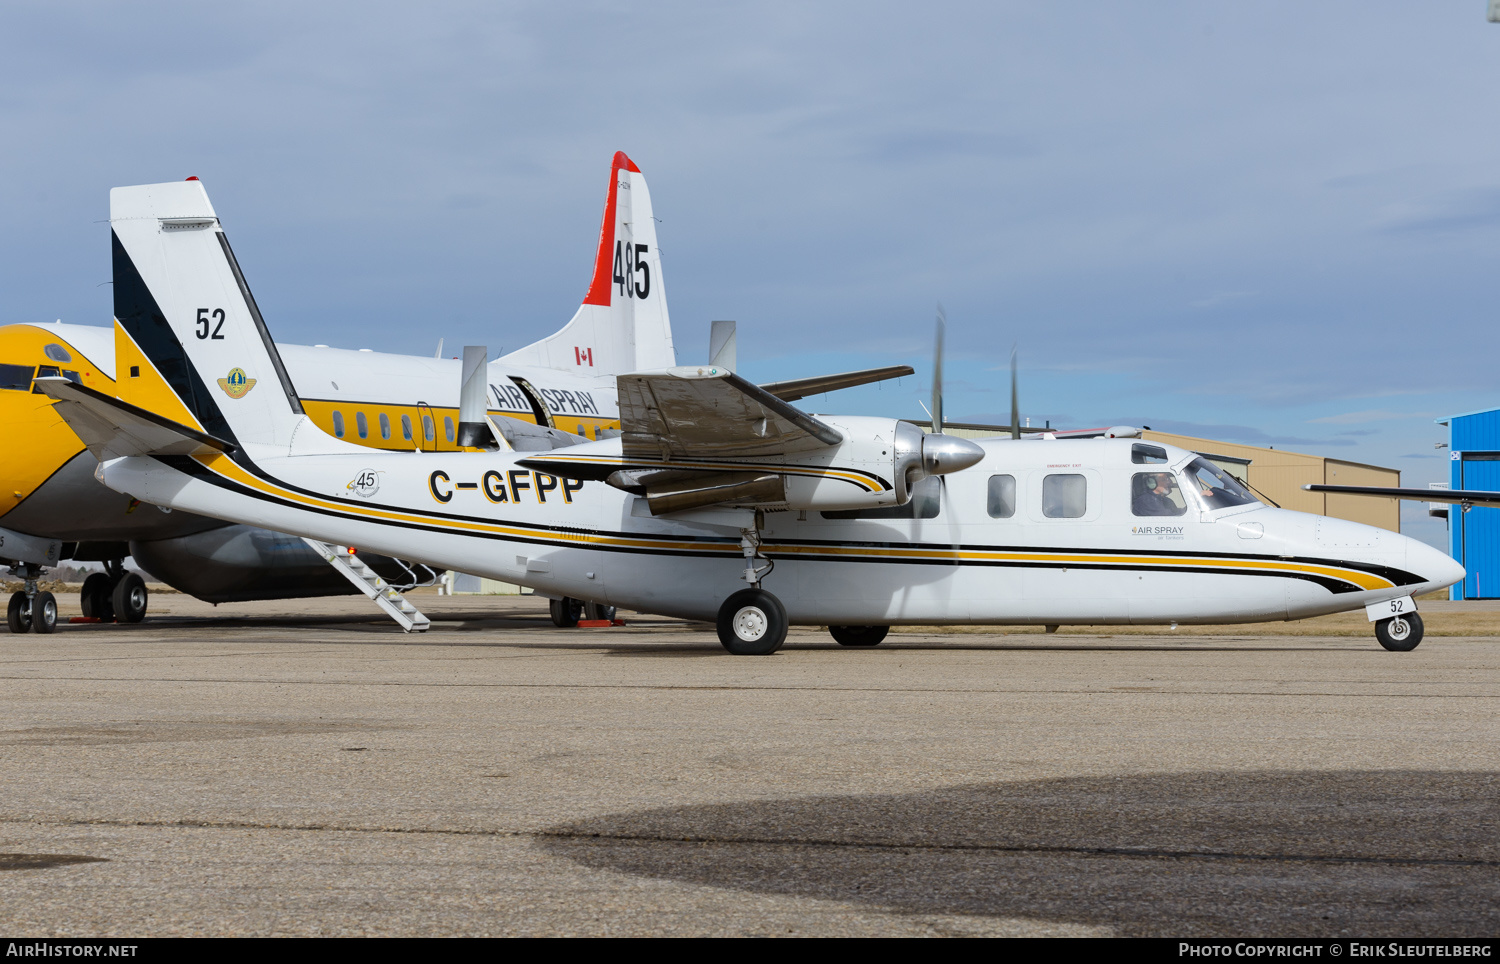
(1303, 853)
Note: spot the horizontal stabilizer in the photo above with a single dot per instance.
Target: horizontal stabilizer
(709, 412)
(114, 429)
(795, 388)
(1455, 496)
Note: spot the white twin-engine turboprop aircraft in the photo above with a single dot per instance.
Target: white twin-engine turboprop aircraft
(857, 523)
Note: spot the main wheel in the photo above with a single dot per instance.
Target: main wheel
(752, 622)
(858, 635)
(1400, 634)
(44, 613)
(18, 614)
(129, 599)
(565, 612)
(94, 599)
(598, 611)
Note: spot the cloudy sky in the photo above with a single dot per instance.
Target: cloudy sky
(1274, 223)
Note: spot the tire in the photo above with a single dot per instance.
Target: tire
(44, 613)
(1400, 634)
(752, 622)
(858, 635)
(94, 599)
(598, 611)
(565, 612)
(18, 614)
(130, 598)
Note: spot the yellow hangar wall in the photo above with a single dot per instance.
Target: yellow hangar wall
(1280, 475)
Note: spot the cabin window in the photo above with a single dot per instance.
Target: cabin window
(925, 503)
(338, 424)
(406, 427)
(1148, 454)
(362, 424)
(448, 427)
(57, 353)
(1156, 493)
(16, 377)
(427, 426)
(1064, 496)
(1216, 487)
(1000, 501)
(385, 425)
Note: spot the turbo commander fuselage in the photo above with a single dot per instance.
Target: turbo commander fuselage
(980, 545)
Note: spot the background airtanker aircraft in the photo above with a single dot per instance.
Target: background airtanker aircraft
(558, 391)
(719, 500)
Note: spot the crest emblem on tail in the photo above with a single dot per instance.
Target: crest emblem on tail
(235, 385)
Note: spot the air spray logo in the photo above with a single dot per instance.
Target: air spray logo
(235, 385)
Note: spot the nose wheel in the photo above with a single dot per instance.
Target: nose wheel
(1399, 634)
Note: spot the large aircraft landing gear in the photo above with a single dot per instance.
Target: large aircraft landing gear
(114, 595)
(129, 599)
(858, 635)
(94, 598)
(1399, 634)
(31, 610)
(566, 612)
(752, 622)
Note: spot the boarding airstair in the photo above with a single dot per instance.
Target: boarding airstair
(368, 581)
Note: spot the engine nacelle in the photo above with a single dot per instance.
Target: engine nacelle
(876, 465)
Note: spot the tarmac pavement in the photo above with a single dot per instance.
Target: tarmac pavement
(304, 768)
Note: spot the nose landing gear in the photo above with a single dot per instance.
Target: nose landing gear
(1399, 634)
(31, 610)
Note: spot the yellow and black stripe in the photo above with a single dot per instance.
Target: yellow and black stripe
(1335, 575)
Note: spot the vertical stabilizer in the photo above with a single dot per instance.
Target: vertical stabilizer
(622, 325)
(190, 340)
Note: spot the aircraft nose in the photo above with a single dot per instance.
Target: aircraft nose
(942, 454)
(1433, 565)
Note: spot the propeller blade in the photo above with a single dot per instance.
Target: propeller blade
(937, 373)
(1015, 406)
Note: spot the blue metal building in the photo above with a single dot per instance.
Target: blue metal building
(1474, 536)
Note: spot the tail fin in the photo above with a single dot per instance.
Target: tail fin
(622, 325)
(190, 342)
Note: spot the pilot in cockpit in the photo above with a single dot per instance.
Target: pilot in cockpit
(1153, 494)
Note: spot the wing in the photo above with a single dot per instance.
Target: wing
(793, 389)
(1457, 496)
(707, 412)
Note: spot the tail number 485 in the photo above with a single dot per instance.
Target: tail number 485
(630, 262)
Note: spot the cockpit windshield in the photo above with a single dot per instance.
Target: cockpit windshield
(1217, 488)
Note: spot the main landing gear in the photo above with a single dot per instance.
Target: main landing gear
(114, 595)
(752, 622)
(1399, 634)
(31, 610)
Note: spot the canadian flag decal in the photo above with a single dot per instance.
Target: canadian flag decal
(584, 356)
